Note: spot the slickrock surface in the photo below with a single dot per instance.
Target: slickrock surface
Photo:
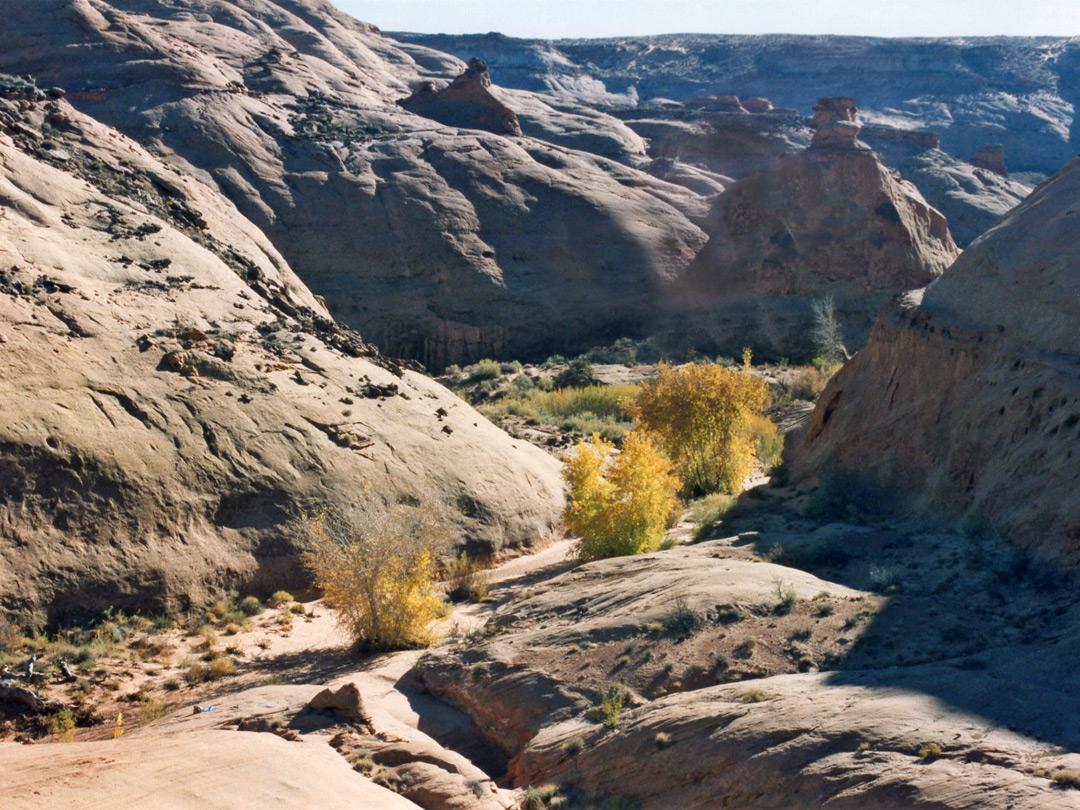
(437, 243)
(713, 719)
(468, 220)
(172, 392)
(965, 401)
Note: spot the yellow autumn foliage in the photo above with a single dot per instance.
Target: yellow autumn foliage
(706, 419)
(376, 567)
(619, 503)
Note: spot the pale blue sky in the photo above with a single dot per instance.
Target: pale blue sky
(600, 18)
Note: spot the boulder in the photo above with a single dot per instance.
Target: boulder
(346, 702)
(834, 124)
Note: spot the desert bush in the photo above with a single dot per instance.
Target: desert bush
(682, 621)
(1066, 778)
(485, 369)
(249, 606)
(611, 705)
(700, 415)
(599, 400)
(755, 696)
(929, 751)
(151, 708)
(767, 441)
(221, 667)
(375, 567)
(786, 598)
(279, 598)
(706, 512)
(578, 374)
(806, 382)
(618, 503)
(62, 726)
(827, 338)
(467, 580)
(848, 495)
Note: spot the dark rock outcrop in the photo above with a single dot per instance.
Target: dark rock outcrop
(992, 158)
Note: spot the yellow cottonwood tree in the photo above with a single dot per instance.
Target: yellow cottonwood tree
(619, 502)
(376, 567)
(702, 417)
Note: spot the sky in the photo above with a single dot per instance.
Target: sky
(554, 19)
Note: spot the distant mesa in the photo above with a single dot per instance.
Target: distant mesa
(922, 138)
(992, 158)
(467, 102)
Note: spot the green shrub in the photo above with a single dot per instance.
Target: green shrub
(485, 369)
(929, 751)
(612, 704)
(755, 696)
(598, 400)
(683, 621)
(249, 606)
(786, 598)
(280, 598)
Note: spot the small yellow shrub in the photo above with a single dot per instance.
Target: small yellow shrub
(619, 503)
(375, 568)
(700, 414)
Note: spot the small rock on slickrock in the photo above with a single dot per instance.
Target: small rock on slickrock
(346, 702)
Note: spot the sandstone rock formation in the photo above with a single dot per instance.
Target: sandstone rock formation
(992, 158)
(965, 401)
(712, 719)
(834, 124)
(1013, 90)
(829, 220)
(437, 243)
(172, 392)
(466, 103)
(972, 199)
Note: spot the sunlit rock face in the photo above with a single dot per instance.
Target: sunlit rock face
(965, 401)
